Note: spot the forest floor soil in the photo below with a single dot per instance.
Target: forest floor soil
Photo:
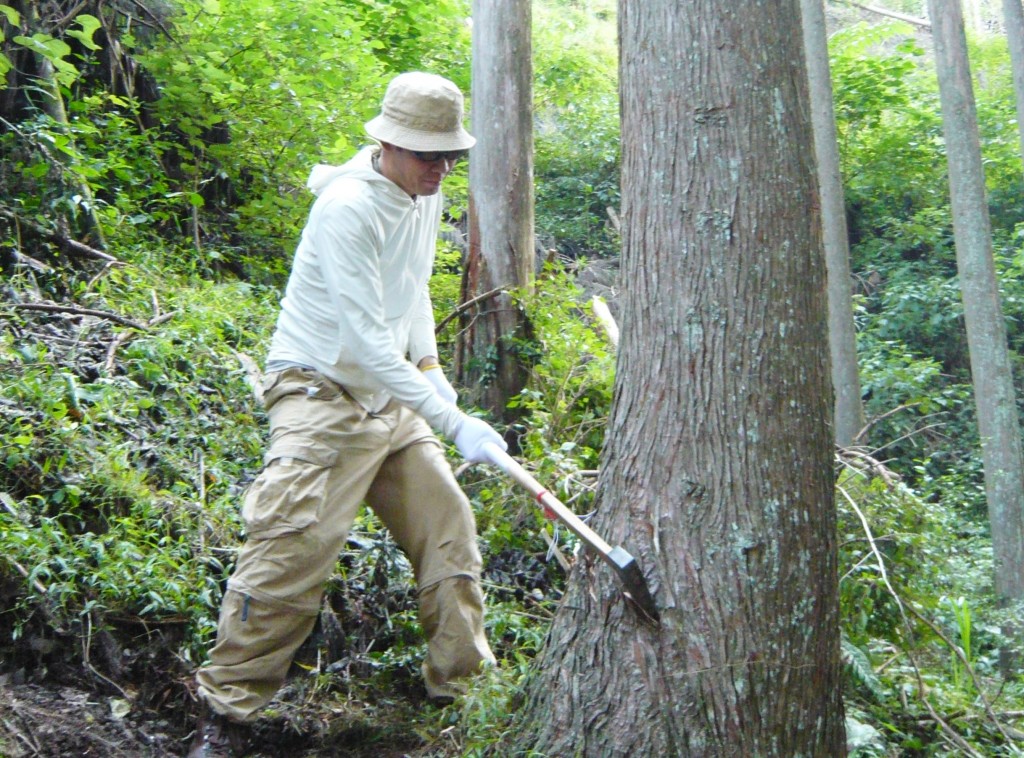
(53, 720)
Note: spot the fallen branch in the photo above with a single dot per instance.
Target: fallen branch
(65, 243)
(23, 734)
(86, 647)
(554, 550)
(10, 507)
(123, 337)
(466, 306)
(40, 587)
(947, 730)
(958, 651)
(604, 316)
(102, 272)
(253, 375)
(867, 427)
(75, 310)
(919, 22)
(859, 460)
(613, 217)
(906, 436)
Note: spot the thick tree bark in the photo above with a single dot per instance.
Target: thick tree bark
(501, 251)
(849, 409)
(1013, 19)
(717, 472)
(994, 394)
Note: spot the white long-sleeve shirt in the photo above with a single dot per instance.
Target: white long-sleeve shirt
(357, 306)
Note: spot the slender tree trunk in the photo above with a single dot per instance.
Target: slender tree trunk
(849, 409)
(1013, 18)
(501, 251)
(972, 16)
(717, 471)
(52, 104)
(994, 393)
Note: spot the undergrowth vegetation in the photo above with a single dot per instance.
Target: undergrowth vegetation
(130, 427)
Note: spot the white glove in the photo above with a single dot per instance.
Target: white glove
(471, 438)
(442, 387)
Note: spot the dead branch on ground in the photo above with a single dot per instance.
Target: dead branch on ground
(905, 608)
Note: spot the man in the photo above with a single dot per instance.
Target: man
(353, 387)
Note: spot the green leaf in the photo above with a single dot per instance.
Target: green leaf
(12, 15)
(89, 26)
(47, 46)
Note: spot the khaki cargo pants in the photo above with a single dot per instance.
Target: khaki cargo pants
(328, 455)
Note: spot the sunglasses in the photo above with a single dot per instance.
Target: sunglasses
(433, 156)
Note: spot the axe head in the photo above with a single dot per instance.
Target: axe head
(634, 586)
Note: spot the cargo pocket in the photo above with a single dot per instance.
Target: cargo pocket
(288, 495)
(279, 384)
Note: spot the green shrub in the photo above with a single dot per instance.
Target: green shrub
(261, 92)
(577, 135)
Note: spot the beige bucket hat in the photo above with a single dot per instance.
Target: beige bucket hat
(421, 112)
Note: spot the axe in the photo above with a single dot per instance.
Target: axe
(634, 586)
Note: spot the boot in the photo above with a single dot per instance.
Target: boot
(217, 737)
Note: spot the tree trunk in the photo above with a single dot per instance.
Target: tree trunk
(1013, 18)
(849, 409)
(501, 252)
(971, 10)
(994, 394)
(717, 472)
(52, 104)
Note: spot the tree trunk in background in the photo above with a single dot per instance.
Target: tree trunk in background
(994, 394)
(849, 409)
(1013, 19)
(51, 103)
(501, 248)
(717, 472)
(972, 15)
